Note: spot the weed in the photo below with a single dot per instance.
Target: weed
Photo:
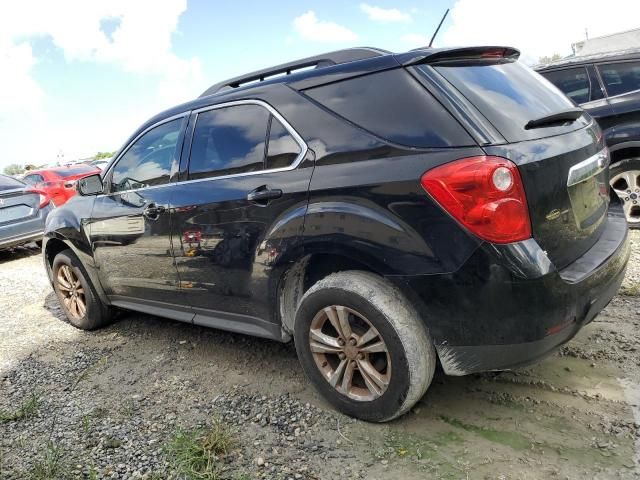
(27, 409)
(197, 454)
(49, 467)
(630, 291)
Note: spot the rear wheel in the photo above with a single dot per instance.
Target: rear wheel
(363, 346)
(625, 181)
(78, 299)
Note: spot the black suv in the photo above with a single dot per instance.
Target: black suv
(382, 210)
(608, 87)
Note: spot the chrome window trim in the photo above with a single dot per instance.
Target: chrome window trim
(301, 143)
(296, 136)
(588, 168)
(125, 150)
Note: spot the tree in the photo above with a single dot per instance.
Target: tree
(552, 58)
(13, 169)
(100, 155)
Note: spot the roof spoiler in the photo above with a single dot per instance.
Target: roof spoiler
(318, 61)
(459, 54)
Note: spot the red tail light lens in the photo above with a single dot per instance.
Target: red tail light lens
(483, 193)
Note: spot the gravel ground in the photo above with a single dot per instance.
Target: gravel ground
(114, 403)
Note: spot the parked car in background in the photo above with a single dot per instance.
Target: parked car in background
(608, 87)
(23, 212)
(59, 182)
(382, 210)
(101, 164)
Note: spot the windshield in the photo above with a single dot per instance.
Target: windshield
(510, 95)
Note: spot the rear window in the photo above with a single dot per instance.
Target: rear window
(509, 95)
(75, 170)
(8, 183)
(394, 106)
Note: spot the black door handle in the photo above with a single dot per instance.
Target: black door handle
(153, 211)
(263, 195)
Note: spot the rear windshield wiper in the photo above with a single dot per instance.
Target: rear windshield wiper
(565, 116)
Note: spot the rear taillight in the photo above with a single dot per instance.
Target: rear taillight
(483, 193)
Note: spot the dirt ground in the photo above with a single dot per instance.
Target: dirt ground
(108, 404)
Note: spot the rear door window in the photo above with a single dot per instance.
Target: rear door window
(620, 78)
(394, 106)
(574, 82)
(509, 95)
(228, 141)
(282, 148)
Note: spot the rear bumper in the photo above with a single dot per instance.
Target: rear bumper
(26, 231)
(508, 306)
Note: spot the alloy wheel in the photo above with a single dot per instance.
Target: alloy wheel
(72, 292)
(627, 186)
(350, 353)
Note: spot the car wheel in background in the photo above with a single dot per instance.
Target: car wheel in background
(625, 181)
(363, 346)
(78, 299)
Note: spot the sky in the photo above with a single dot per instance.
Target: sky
(79, 76)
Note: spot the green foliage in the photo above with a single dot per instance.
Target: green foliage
(197, 455)
(50, 466)
(101, 155)
(26, 410)
(13, 169)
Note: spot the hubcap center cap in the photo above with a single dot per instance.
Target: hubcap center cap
(351, 351)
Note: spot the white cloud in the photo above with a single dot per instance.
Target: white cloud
(414, 40)
(309, 27)
(536, 28)
(379, 14)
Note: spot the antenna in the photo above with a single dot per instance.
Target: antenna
(438, 29)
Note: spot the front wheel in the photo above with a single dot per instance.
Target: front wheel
(363, 346)
(78, 299)
(625, 181)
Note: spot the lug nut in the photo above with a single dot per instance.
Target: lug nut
(352, 341)
(626, 199)
(360, 356)
(635, 202)
(340, 342)
(324, 364)
(341, 356)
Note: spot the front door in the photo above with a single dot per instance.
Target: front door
(246, 173)
(130, 229)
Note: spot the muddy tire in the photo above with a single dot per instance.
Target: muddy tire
(625, 181)
(363, 346)
(77, 296)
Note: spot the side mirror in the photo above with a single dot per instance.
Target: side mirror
(91, 185)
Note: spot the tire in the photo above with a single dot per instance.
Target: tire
(366, 300)
(623, 175)
(95, 314)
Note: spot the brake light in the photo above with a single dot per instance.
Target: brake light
(483, 193)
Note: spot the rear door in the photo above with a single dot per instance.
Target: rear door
(558, 150)
(246, 173)
(130, 230)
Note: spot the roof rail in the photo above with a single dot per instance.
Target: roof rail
(318, 61)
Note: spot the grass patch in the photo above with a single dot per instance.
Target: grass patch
(27, 409)
(197, 455)
(630, 291)
(509, 439)
(50, 466)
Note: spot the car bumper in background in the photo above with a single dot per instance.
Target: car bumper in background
(25, 231)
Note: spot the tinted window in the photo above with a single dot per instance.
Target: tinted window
(509, 95)
(33, 179)
(229, 140)
(8, 183)
(282, 148)
(620, 78)
(75, 170)
(148, 161)
(574, 82)
(394, 106)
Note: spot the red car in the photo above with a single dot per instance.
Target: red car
(59, 182)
